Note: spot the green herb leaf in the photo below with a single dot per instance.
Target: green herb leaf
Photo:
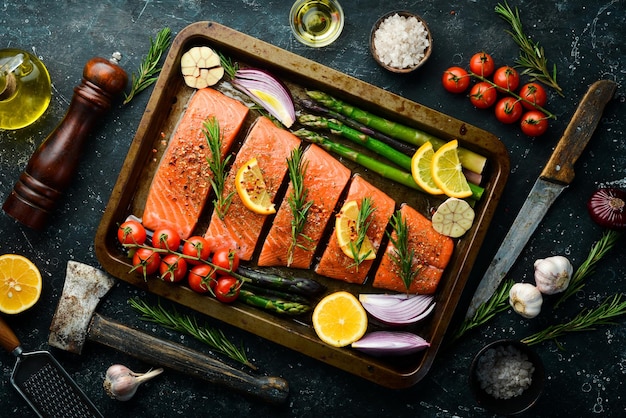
(402, 256)
(363, 223)
(298, 202)
(217, 165)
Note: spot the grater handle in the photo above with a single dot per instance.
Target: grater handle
(8, 339)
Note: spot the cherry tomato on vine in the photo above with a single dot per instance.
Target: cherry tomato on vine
(482, 64)
(227, 289)
(455, 80)
(534, 93)
(173, 268)
(508, 110)
(131, 232)
(197, 247)
(483, 95)
(507, 78)
(201, 278)
(166, 239)
(225, 259)
(146, 261)
(534, 123)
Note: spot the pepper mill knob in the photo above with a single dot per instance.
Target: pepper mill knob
(53, 165)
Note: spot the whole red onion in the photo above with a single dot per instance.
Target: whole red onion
(607, 207)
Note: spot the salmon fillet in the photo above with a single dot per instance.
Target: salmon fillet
(432, 254)
(334, 263)
(325, 179)
(241, 228)
(181, 184)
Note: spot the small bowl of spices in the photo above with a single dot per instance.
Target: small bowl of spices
(400, 41)
(506, 377)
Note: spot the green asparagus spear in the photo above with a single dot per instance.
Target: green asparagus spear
(385, 170)
(274, 305)
(298, 285)
(470, 160)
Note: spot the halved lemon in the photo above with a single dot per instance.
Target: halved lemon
(252, 190)
(347, 233)
(421, 169)
(20, 283)
(339, 319)
(447, 171)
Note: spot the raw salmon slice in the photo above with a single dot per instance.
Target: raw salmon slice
(241, 228)
(181, 184)
(334, 263)
(432, 254)
(325, 180)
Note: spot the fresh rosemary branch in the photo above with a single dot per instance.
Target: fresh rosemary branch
(497, 303)
(586, 320)
(297, 200)
(532, 56)
(402, 256)
(185, 324)
(598, 250)
(217, 165)
(362, 225)
(149, 68)
(230, 68)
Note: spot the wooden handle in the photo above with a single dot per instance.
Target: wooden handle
(175, 356)
(53, 165)
(560, 167)
(8, 339)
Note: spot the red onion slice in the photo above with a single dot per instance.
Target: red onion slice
(390, 343)
(403, 311)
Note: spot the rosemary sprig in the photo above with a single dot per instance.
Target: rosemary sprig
(402, 256)
(298, 202)
(230, 68)
(149, 68)
(175, 321)
(217, 165)
(363, 223)
(531, 56)
(497, 303)
(586, 320)
(598, 250)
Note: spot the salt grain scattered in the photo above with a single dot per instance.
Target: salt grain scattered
(401, 41)
(504, 372)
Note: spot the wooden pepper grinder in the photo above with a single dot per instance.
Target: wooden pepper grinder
(52, 167)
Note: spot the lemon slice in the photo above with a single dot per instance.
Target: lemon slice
(447, 171)
(421, 169)
(339, 319)
(252, 190)
(20, 283)
(346, 231)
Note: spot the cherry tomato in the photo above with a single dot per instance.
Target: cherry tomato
(225, 259)
(507, 78)
(482, 64)
(201, 278)
(131, 232)
(173, 268)
(227, 289)
(534, 93)
(483, 95)
(166, 239)
(197, 247)
(455, 80)
(508, 110)
(534, 123)
(146, 261)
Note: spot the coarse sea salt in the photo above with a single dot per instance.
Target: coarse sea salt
(504, 372)
(401, 41)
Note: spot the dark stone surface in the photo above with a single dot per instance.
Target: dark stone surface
(584, 39)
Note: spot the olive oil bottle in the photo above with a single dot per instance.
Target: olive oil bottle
(25, 88)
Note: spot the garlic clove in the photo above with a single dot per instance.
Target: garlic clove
(121, 383)
(525, 299)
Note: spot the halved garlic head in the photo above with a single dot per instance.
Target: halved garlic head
(201, 67)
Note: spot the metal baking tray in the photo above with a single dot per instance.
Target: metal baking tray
(164, 109)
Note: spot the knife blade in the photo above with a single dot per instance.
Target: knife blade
(554, 178)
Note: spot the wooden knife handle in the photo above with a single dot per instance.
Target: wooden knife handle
(560, 167)
(175, 356)
(8, 339)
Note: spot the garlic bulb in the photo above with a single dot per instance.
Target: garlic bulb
(525, 299)
(552, 274)
(121, 383)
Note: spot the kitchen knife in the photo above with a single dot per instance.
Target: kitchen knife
(555, 177)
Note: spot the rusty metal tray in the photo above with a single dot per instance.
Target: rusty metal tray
(164, 109)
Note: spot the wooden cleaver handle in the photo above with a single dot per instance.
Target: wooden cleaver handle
(8, 339)
(175, 356)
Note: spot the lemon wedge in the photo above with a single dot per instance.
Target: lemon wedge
(447, 172)
(252, 190)
(421, 169)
